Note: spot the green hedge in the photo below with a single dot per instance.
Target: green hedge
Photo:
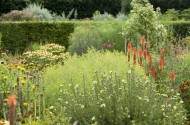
(17, 36)
(180, 29)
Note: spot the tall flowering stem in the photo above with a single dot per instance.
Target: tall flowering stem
(134, 56)
(129, 50)
(12, 105)
(172, 77)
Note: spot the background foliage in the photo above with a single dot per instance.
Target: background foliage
(17, 36)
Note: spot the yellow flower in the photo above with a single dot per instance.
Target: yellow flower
(23, 69)
(5, 78)
(15, 85)
(19, 67)
(33, 87)
(25, 104)
(23, 82)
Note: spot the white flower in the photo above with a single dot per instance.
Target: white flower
(82, 106)
(103, 105)
(93, 118)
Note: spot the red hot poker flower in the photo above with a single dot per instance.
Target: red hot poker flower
(162, 52)
(140, 53)
(12, 100)
(129, 46)
(147, 44)
(161, 64)
(142, 40)
(135, 50)
(149, 59)
(128, 52)
(145, 53)
(172, 76)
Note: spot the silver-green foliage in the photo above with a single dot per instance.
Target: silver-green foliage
(40, 11)
(105, 16)
(101, 88)
(143, 21)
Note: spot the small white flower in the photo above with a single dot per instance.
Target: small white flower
(82, 106)
(93, 118)
(174, 107)
(103, 105)
(51, 107)
(129, 72)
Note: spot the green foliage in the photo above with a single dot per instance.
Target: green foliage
(179, 29)
(0, 42)
(48, 54)
(16, 15)
(143, 21)
(88, 35)
(17, 36)
(98, 16)
(185, 14)
(171, 15)
(40, 11)
(99, 92)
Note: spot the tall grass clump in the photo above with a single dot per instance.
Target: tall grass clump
(101, 88)
(40, 11)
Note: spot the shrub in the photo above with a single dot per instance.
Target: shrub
(16, 15)
(185, 14)
(98, 16)
(40, 11)
(91, 91)
(104, 35)
(16, 37)
(48, 54)
(143, 21)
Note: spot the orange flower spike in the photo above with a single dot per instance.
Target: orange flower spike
(147, 44)
(135, 50)
(128, 52)
(162, 52)
(172, 76)
(142, 40)
(129, 46)
(152, 69)
(12, 100)
(149, 59)
(145, 53)
(161, 64)
(140, 53)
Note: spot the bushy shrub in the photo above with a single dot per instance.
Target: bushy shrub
(91, 91)
(121, 16)
(16, 15)
(98, 16)
(40, 11)
(185, 14)
(48, 54)
(171, 15)
(103, 35)
(143, 21)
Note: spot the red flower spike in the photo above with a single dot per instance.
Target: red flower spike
(12, 100)
(142, 40)
(129, 46)
(134, 59)
(135, 50)
(155, 74)
(140, 53)
(147, 44)
(145, 53)
(161, 64)
(149, 59)
(172, 76)
(162, 53)
(128, 52)
(152, 69)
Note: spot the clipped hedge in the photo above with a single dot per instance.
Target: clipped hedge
(17, 36)
(181, 29)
